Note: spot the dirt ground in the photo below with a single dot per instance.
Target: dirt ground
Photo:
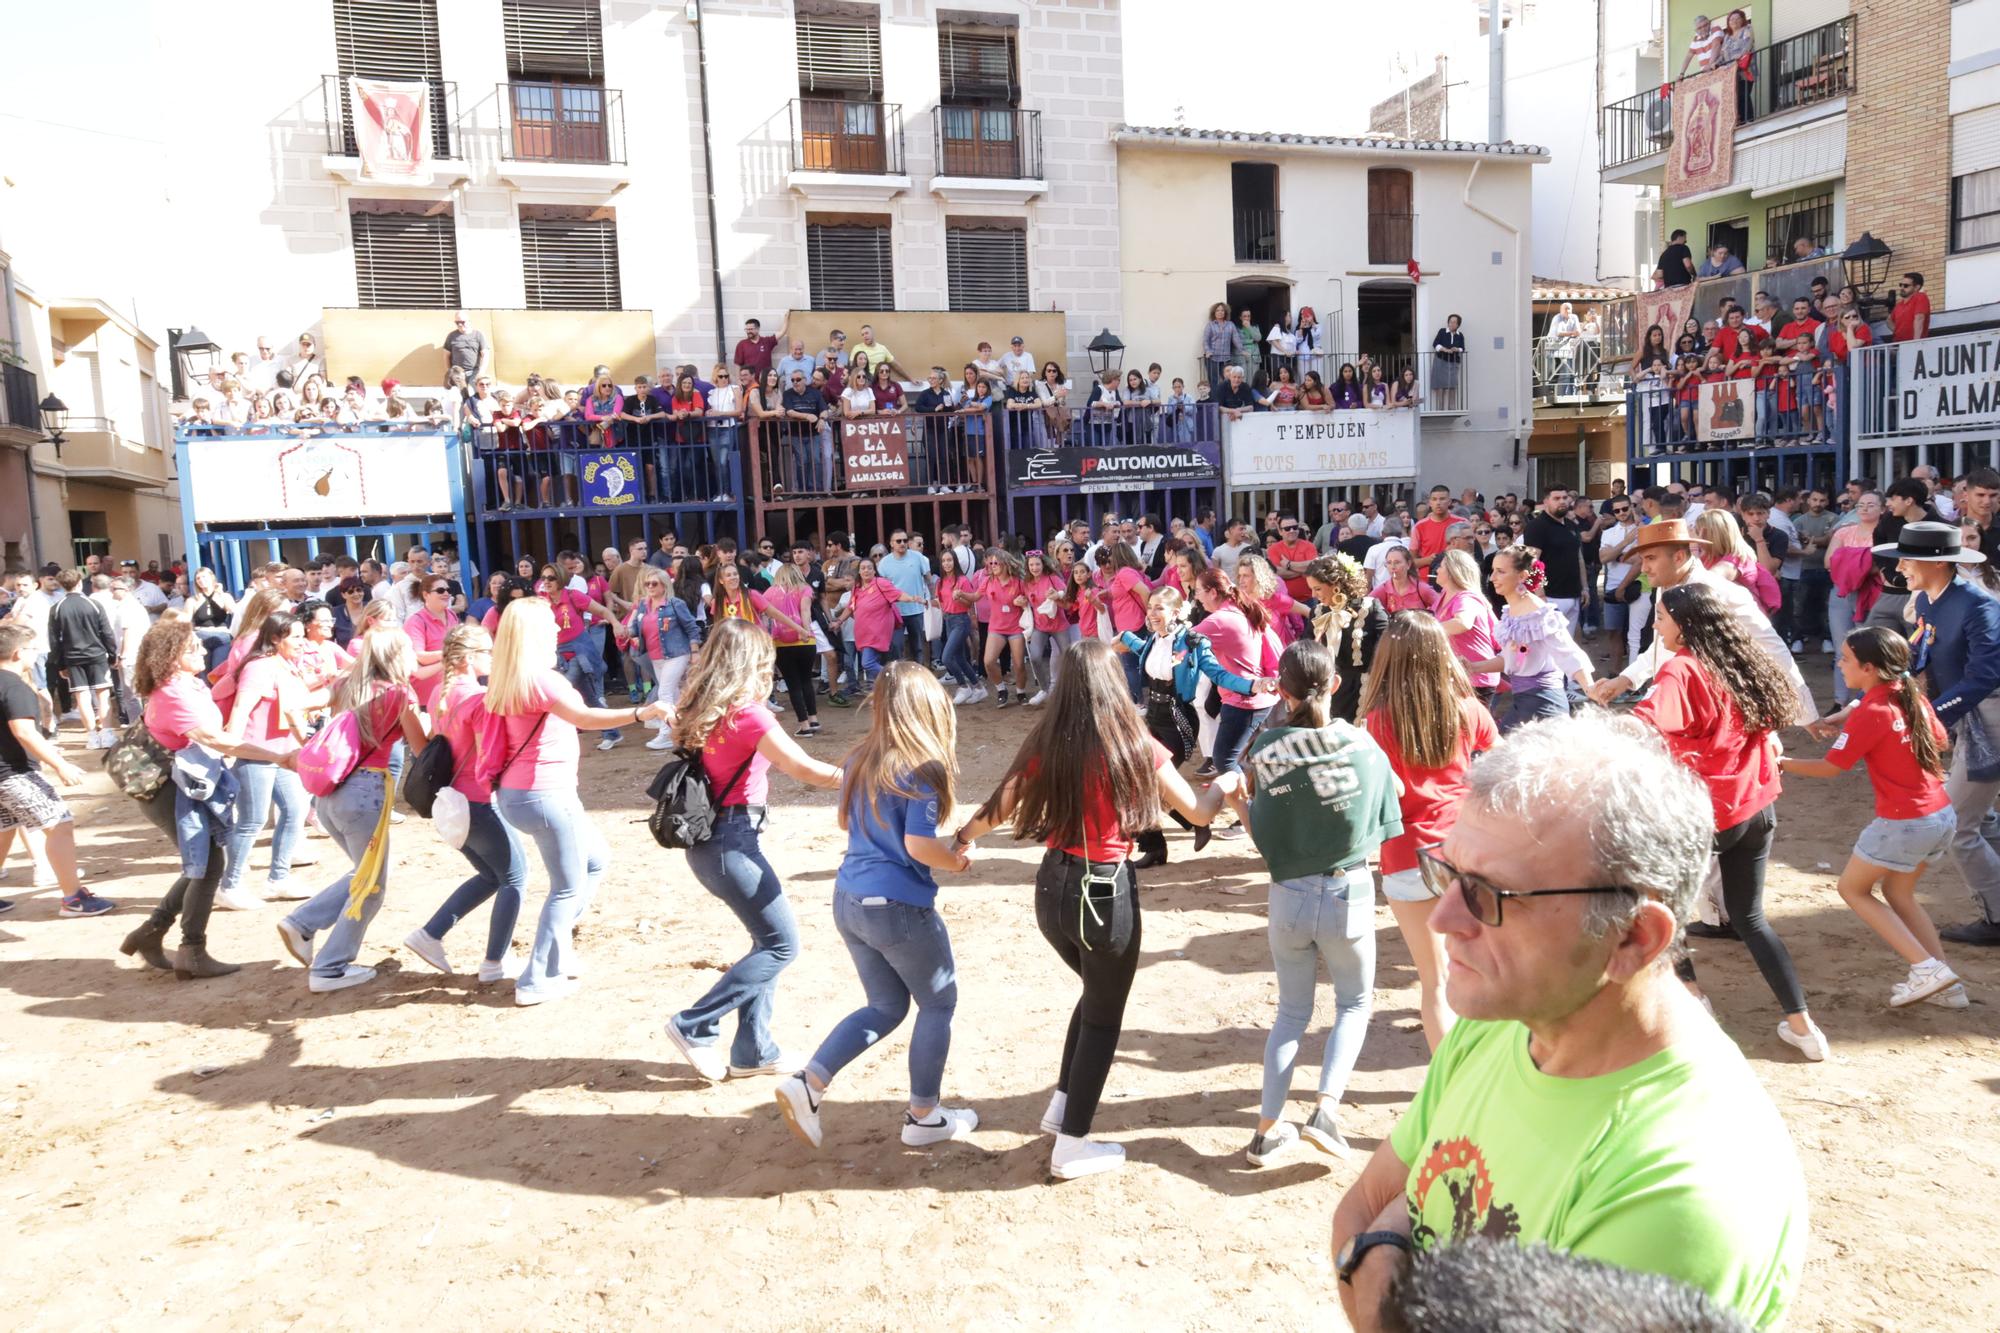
(421, 1152)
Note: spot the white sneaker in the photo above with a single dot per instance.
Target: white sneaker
(1826, 645)
(1951, 997)
(93, 740)
(507, 969)
(428, 948)
(980, 695)
(663, 741)
(964, 695)
(1798, 646)
(1925, 980)
(946, 1123)
(1812, 1046)
(786, 1064)
(107, 738)
(297, 943)
(1083, 1157)
(711, 1062)
(555, 988)
(801, 1109)
(237, 900)
(1052, 1118)
(1041, 696)
(776, 708)
(352, 975)
(1267, 1149)
(609, 743)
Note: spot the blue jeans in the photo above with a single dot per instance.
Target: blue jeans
(259, 785)
(909, 640)
(349, 815)
(901, 952)
(575, 856)
(500, 870)
(585, 670)
(958, 648)
(1233, 731)
(1314, 919)
(1840, 622)
(1534, 704)
(872, 662)
(731, 866)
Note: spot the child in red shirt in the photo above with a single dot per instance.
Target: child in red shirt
(1893, 728)
(1687, 394)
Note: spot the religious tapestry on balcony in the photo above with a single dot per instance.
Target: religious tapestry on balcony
(1668, 307)
(391, 128)
(1701, 157)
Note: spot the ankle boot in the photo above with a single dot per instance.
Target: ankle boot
(1152, 850)
(191, 963)
(145, 942)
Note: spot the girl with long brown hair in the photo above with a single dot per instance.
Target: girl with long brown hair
(1893, 728)
(723, 719)
(1421, 710)
(897, 787)
(1719, 702)
(1085, 780)
(267, 707)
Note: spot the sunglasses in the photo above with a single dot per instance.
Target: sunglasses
(1482, 898)
(1485, 532)
(1289, 527)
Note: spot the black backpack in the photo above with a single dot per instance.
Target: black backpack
(429, 773)
(684, 809)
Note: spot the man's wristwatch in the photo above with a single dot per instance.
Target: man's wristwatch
(1357, 1249)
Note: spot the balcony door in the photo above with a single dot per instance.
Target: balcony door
(842, 126)
(1391, 216)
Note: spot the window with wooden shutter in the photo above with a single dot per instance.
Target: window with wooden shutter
(554, 38)
(839, 53)
(986, 264)
(1975, 210)
(976, 65)
(391, 39)
(405, 254)
(570, 258)
(849, 265)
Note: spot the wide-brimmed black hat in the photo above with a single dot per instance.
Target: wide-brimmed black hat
(1940, 542)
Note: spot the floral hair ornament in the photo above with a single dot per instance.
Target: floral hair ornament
(1536, 578)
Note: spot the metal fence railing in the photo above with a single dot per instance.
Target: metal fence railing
(561, 122)
(339, 117)
(1784, 406)
(861, 138)
(1000, 143)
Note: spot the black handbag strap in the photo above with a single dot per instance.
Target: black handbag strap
(502, 771)
(736, 777)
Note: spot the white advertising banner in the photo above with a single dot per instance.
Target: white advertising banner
(1306, 448)
(283, 478)
(1949, 382)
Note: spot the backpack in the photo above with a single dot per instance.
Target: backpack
(330, 755)
(428, 774)
(684, 808)
(139, 765)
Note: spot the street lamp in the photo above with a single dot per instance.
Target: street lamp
(193, 354)
(1107, 354)
(1866, 264)
(55, 415)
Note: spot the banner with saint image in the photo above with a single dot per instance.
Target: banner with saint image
(391, 128)
(1702, 157)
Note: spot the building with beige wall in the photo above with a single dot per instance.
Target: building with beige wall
(1273, 223)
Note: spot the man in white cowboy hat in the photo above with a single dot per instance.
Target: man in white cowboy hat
(1956, 648)
(1667, 557)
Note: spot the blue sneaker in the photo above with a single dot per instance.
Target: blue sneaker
(86, 903)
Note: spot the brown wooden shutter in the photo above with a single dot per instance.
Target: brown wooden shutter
(986, 266)
(569, 257)
(405, 254)
(390, 39)
(850, 266)
(554, 38)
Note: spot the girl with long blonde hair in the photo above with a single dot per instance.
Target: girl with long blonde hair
(377, 691)
(897, 788)
(723, 719)
(1420, 708)
(499, 863)
(541, 713)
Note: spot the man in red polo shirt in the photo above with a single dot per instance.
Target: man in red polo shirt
(1428, 536)
(1911, 317)
(754, 352)
(1291, 554)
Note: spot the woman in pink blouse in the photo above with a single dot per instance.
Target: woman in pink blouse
(1402, 590)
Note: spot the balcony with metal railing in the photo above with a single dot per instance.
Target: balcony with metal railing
(990, 143)
(561, 122)
(20, 408)
(846, 150)
(338, 117)
(1813, 69)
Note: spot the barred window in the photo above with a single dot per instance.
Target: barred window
(569, 257)
(1975, 210)
(849, 265)
(986, 264)
(405, 254)
(1809, 218)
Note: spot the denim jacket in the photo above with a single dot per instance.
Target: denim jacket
(204, 794)
(679, 631)
(1192, 660)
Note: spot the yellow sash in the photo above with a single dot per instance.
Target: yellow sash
(367, 881)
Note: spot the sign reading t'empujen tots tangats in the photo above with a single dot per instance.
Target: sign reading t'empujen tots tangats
(1307, 448)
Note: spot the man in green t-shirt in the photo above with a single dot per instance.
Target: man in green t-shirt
(1584, 1099)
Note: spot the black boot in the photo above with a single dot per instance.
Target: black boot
(145, 942)
(191, 963)
(1152, 846)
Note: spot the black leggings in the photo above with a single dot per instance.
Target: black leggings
(1743, 850)
(795, 666)
(1098, 939)
(189, 899)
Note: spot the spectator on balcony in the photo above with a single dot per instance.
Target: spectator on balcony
(262, 370)
(1703, 49)
(858, 399)
(1804, 248)
(1218, 342)
(1910, 318)
(1136, 407)
(806, 408)
(465, 349)
(686, 471)
(1677, 261)
(1022, 403)
(1403, 393)
(1733, 339)
(1377, 391)
(1103, 407)
(1284, 394)
(1720, 263)
(1236, 397)
(753, 353)
(1016, 359)
(1739, 48)
(887, 393)
(1313, 396)
(601, 411)
(1347, 388)
(1283, 345)
(1249, 347)
(836, 343)
(1053, 390)
(727, 403)
(232, 407)
(990, 370)
(871, 354)
(1697, 338)
(795, 359)
(1565, 332)
(1447, 355)
(305, 365)
(1309, 344)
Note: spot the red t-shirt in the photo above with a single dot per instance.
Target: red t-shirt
(733, 740)
(1427, 537)
(1127, 597)
(1729, 340)
(1001, 593)
(1303, 549)
(1796, 329)
(1431, 796)
(1903, 319)
(1106, 841)
(1875, 732)
(268, 687)
(569, 609)
(1703, 728)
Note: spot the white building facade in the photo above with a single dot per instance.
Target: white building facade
(1972, 265)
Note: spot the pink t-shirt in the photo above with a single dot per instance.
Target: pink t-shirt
(267, 687)
(571, 616)
(875, 614)
(1039, 591)
(950, 589)
(1479, 643)
(1243, 652)
(490, 622)
(1001, 593)
(791, 602)
(649, 630)
(388, 707)
(454, 709)
(549, 760)
(735, 739)
(224, 684)
(1127, 599)
(178, 707)
(320, 662)
(427, 633)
